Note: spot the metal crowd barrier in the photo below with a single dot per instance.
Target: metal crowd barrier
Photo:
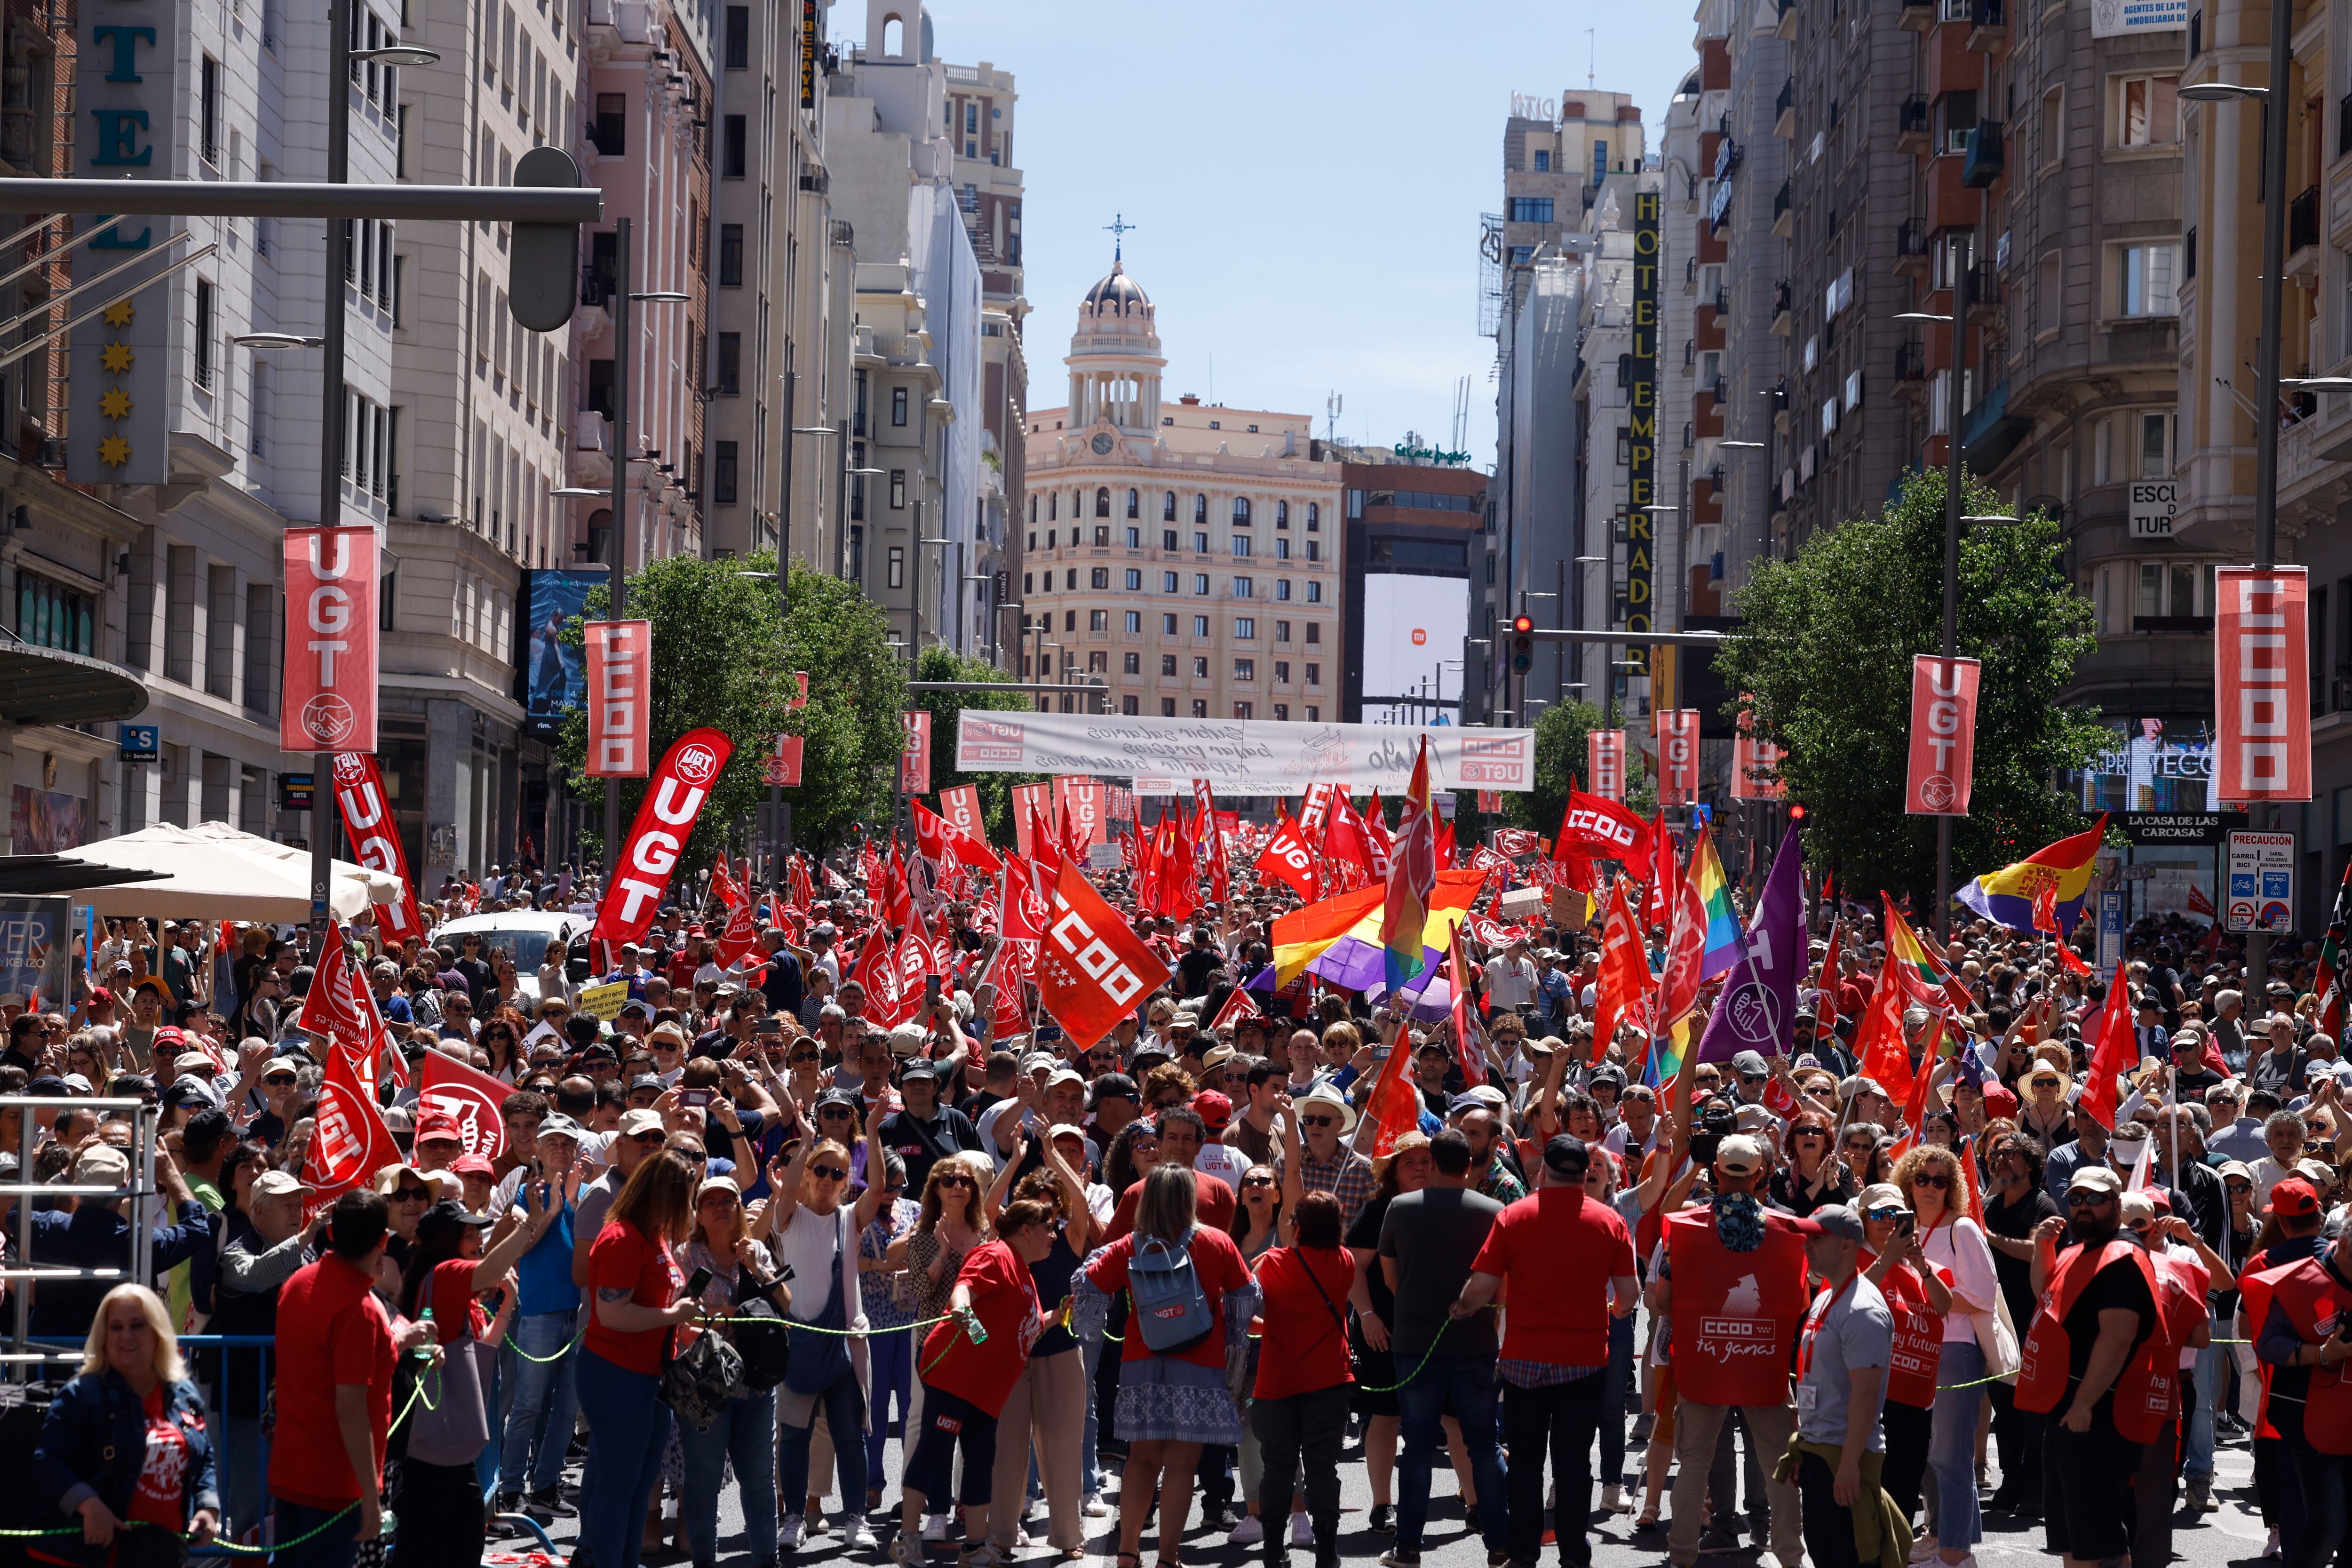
(20, 1357)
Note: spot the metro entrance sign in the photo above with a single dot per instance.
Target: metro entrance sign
(2258, 883)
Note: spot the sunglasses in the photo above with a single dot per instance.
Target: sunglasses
(648, 1140)
(1937, 1180)
(1258, 1181)
(1803, 1136)
(1890, 1213)
(828, 1173)
(955, 1181)
(797, 1057)
(825, 1111)
(2087, 1200)
(281, 1080)
(1318, 1122)
(411, 1194)
(1754, 1076)
(2240, 1186)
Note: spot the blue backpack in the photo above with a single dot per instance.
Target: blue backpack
(1171, 1311)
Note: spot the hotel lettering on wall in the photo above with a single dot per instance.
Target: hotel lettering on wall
(118, 398)
(1641, 399)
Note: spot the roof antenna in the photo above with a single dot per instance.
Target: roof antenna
(1119, 228)
(1592, 59)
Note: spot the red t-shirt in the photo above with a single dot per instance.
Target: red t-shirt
(1213, 1206)
(1004, 1299)
(331, 1332)
(625, 1258)
(1558, 1251)
(163, 1481)
(454, 1310)
(1304, 1346)
(1216, 1259)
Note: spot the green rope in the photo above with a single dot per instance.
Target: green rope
(1408, 1377)
(544, 1360)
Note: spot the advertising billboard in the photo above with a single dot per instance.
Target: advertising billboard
(2157, 764)
(554, 677)
(1413, 632)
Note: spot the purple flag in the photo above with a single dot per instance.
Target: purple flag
(1758, 1007)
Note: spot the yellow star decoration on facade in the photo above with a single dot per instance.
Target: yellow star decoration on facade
(119, 314)
(115, 357)
(114, 451)
(115, 404)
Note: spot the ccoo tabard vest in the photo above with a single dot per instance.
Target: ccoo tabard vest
(1736, 1314)
(2042, 1373)
(1918, 1348)
(2316, 1305)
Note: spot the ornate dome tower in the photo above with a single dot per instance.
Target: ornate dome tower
(1114, 360)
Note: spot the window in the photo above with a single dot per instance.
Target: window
(1168, 665)
(738, 37)
(1200, 509)
(1134, 629)
(1530, 209)
(898, 489)
(1282, 550)
(1070, 623)
(1135, 539)
(2147, 111)
(1281, 514)
(1244, 670)
(1028, 583)
(1200, 545)
(1241, 588)
(1241, 546)
(1052, 506)
(730, 364)
(1200, 583)
(2054, 126)
(1134, 509)
(1071, 583)
(732, 137)
(1314, 714)
(211, 111)
(203, 334)
(1242, 709)
(612, 134)
(1199, 708)
(1102, 502)
(1130, 705)
(1167, 625)
(1201, 668)
(1314, 549)
(1168, 708)
(1168, 583)
(1282, 588)
(1099, 578)
(898, 566)
(1200, 626)
(1097, 620)
(1241, 512)
(50, 615)
(722, 474)
(2146, 280)
(1167, 539)
(898, 406)
(1314, 635)
(1314, 518)
(2155, 445)
(1314, 671)
(1543, 161)
(1168, 509)
(1051, 535)
(731, 255)
(2049, 291)
(1102, 537)
(1957, 112)
(1282, 631)
(1282, 672)
(1134, 581)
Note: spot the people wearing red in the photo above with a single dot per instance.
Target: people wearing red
(1299, 1405)
(1918, 1298)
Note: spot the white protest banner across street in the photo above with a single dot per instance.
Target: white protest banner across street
(1241, 756)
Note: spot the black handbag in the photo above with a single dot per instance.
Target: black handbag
(697, 1384)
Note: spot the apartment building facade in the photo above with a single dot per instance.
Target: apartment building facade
(1187, 555)
(982, 102)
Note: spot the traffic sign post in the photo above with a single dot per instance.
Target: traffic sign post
(2259, 883)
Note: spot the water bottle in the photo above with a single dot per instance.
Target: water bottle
(971, 1328)
(424, 1351)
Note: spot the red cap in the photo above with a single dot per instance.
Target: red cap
(100, 993)
(170, 1035)
(1214, 1108)
(438, 1125)
(472, 1165)
(2294, 1198)
(1999, 1101)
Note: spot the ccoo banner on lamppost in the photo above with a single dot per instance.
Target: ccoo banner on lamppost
(2261, 683)
(329, 703)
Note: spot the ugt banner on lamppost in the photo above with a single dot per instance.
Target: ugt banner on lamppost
(1943, 735)
(2261, 683)
(330, 578)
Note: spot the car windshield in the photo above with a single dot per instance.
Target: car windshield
(527, 948)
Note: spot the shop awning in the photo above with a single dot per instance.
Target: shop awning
(33, 876)
(50, 686)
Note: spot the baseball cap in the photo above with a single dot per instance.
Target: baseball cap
(2237, 1168)
(102, 1165)
(633, 1122)
(448, 1215)
(1737, 1156)
(831, 1097)
(1566, 1155)
(193, 1061)
(920, 1066)
(277, 1184)
(1214, 1108)
(473, 1166)
(2293, 1197)
(1115, 1085)
(1832, 1219)
(438, 1125)
(1749, 1064)
(1069, 1074)
(2099, 1179)
(647, 1080)
(562, 1126)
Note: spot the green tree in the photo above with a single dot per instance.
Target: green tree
(995, 789)
(723, 657)
(1825, 646)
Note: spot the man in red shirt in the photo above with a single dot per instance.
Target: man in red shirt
(336, 1352)
(1565, 1257)
(1181, 1133)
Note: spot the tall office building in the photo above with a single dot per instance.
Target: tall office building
(981, 101)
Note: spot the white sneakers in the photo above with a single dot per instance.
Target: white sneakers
(1302, 1529)
(1094, 1508)
(857, 1536)
(905, 1553)
(1612, 1498)
(1248, 1532)
(935, 1527)
(788, 1535)
(1923, 1548)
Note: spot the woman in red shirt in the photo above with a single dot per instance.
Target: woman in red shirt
(1918, 1295)
(640, 1296)
(1299, 1408)
(1171, 1405)
(967, 1375)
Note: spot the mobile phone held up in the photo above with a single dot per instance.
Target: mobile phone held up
(697, 1282)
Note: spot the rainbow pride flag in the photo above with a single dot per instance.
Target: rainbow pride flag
(1339, 938)
(1726, 944)
(2006, 896)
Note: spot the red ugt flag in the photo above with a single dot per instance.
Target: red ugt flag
(349, 1142)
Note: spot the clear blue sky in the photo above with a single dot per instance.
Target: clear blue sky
(1306, 178)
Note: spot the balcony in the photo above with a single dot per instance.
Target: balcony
(1984, 291)
(1910, 369)
(1988, 26)
(1782, 297)
(1785, 28)
(1722, 303)
(2303, 220)
(1918, 16)
(1987, 157)
(1784, 112)
(1911, 126)
(1728, 154)
(1784, 219)
(1911, 248)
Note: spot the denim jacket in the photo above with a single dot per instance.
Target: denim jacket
(94, 1444)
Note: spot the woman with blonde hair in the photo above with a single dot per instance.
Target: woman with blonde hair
(745, 1432)
(639, 1296)
(1935, 1181)
(125, 1444)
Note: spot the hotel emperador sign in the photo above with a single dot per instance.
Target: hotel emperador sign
(1641, 557)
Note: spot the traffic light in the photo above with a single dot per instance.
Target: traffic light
(1522, 647)
(1796, 811)
(543, 259)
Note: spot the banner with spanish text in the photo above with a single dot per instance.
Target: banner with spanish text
(375, 841)
(1241, 756)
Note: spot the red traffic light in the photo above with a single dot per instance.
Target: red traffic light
(1796, 812)
(1524, 624)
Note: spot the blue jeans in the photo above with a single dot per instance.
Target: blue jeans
(334, 1546)
(1952, 1446)
(544, 1401)
(628, 1427)
(1090, 1476)
(745, 1432)
(890, 1361)
(2204, 1401)
(843, 1406)
(1464, 1387)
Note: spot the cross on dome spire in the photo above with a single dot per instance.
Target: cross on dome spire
(1119, 228)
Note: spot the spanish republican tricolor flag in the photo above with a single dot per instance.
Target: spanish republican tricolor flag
(2006, 896)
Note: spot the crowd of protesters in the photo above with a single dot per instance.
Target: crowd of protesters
(738, 1231)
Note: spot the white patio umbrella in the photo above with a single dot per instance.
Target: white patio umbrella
(212, 871)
